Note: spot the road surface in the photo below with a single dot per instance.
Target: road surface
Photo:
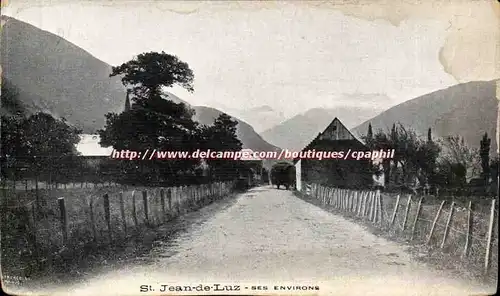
(269, 238)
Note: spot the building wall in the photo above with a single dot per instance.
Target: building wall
(298, 175)
(336, 172)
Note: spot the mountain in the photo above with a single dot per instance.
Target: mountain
(295, 133)
(260, 118)
(245, 132)
(467, 109)
(57, 77)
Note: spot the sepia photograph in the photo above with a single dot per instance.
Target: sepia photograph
(156, 147)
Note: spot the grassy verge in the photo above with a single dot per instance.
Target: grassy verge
(447, 258)
(27, 257)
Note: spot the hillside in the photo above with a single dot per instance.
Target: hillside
(298, 131)
(468, 109)
(55, 76)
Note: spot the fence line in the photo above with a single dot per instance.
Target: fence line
(420, 222)
(101, 216)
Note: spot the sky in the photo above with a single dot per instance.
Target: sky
(292, 56)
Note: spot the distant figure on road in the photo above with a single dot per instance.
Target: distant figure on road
(283, 173)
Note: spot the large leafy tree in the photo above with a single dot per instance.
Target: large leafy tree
(150, 71)
(154, 121)
(51, 145)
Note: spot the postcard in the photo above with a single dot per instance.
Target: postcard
(249, 147)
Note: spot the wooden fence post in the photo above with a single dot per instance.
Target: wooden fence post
(35, 232)
(372, 206)
(395, 210)
(358, 202)
(134, 210)
(365, 204)
(63, 219)
(162, 201)
(447, 227)
(407, 211)
(351, 200)
(434, 222)
(354, 207)
(347, 200)
(375, 207)
(490, 234)
(416, 218)
(381, 206)
(469, 226)
(122, 211)
(92, 218)
(169, 197)
(145, 201)
(107, 214)
(343, 199)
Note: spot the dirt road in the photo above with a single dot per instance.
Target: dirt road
(269, 238)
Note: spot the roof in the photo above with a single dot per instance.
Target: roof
(251, 154)
(335, 131)
(89, 146)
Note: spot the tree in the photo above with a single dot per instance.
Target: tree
(149, 72)
(12, 114)
(154, 121)
(39, 145)
(154, 124)
(484, 152)
(369, 135)
(221, 136)
(429, 135)
(456, 152)
(50, 143)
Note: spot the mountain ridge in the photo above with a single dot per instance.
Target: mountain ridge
(295, 133)
(466, 109)
(56, 76)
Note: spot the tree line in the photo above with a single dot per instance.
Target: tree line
(444, 163)
(41, 147)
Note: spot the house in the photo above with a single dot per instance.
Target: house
(90, 149)
(341, 173)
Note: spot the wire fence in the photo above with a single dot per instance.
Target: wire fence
(38, 226)
(460, 228)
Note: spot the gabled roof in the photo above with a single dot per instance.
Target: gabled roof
(335, 131)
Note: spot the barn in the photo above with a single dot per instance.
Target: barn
(340, 173)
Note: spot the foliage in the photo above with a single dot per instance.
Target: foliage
(40, 144)
(458, 156)
(150, 71)
(155, 122)
(484, 153)
(221, 136)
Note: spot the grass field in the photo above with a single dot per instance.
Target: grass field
(36, 235)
